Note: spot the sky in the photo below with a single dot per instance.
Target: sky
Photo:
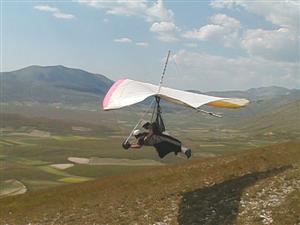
(215, 45)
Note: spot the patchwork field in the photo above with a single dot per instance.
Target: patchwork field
(41, 161)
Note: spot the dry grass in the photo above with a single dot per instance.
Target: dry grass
(207, 191)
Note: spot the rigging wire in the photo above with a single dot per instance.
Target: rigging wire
(163, 73)
(141, 119)
(154, 99)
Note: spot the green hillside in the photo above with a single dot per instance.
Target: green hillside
(282, 120)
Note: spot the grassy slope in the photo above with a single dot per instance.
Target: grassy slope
(207, 191)
(286, 117)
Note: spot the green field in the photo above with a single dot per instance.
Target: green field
(29, 160)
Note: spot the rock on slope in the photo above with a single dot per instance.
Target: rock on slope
(242, 188)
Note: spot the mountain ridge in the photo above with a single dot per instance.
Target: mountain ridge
(58, 75)
(52, 84)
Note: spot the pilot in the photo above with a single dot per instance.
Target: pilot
(163, 143)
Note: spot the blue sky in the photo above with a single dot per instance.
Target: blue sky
(215, 45)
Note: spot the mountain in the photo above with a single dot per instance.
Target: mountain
(269, 95)
(53, 84)
(259, 186)
(255, 93)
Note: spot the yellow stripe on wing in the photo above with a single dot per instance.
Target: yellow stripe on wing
(232, 103)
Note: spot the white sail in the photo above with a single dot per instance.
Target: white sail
(126, 92)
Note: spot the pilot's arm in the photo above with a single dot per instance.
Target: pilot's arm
(139, 143)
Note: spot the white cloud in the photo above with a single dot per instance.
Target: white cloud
(163, 27)
(46, 8)
(166, 31)
(157, 12)
(123, 40)
(124, 8)
(223, 28)
(150, 12)
(55, 12)
(207, 32)
(226, 21)
(282, 13)
(210, 72)
(61, 15)
(126, 40)
(281, 44)
(278, 44)
(142, 44)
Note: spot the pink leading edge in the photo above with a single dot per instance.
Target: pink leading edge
(110, 92)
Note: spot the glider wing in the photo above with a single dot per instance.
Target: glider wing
(126, 92)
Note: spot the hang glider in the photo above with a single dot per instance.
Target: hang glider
(126, 92)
